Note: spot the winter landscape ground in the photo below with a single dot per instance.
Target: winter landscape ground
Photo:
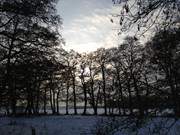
(85, 125)
(48, 125)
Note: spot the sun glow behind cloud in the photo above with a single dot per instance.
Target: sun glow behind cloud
(87, 24)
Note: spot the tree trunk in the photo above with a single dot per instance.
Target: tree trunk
(74, 95)
(45, 102)
(54, 101)
(175, 98)
(140, 107)
(38, 97)
(57, 101)
(120, 93)
(85, 99)
(130, 96)
(104, 89)
(51, 102)
(67, 98)
(147, 94)
(11, 92)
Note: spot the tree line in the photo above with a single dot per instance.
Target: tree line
(38, 75)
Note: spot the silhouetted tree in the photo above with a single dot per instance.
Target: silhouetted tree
(164, 49)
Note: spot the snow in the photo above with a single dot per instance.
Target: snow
(82, 125)
(48, 125)
(154, 126)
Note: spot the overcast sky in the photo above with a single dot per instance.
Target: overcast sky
(87, 25)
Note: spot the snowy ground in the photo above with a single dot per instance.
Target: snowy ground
(48, 125)
(151, 126)
(83, 125)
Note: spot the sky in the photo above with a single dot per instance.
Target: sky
(86, 24)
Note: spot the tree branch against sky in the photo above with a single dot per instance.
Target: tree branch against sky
(147, 15)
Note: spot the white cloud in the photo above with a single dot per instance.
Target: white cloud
(87, 33)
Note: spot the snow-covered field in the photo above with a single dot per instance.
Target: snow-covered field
(84, 125)
(153, 126)
(48, 125)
